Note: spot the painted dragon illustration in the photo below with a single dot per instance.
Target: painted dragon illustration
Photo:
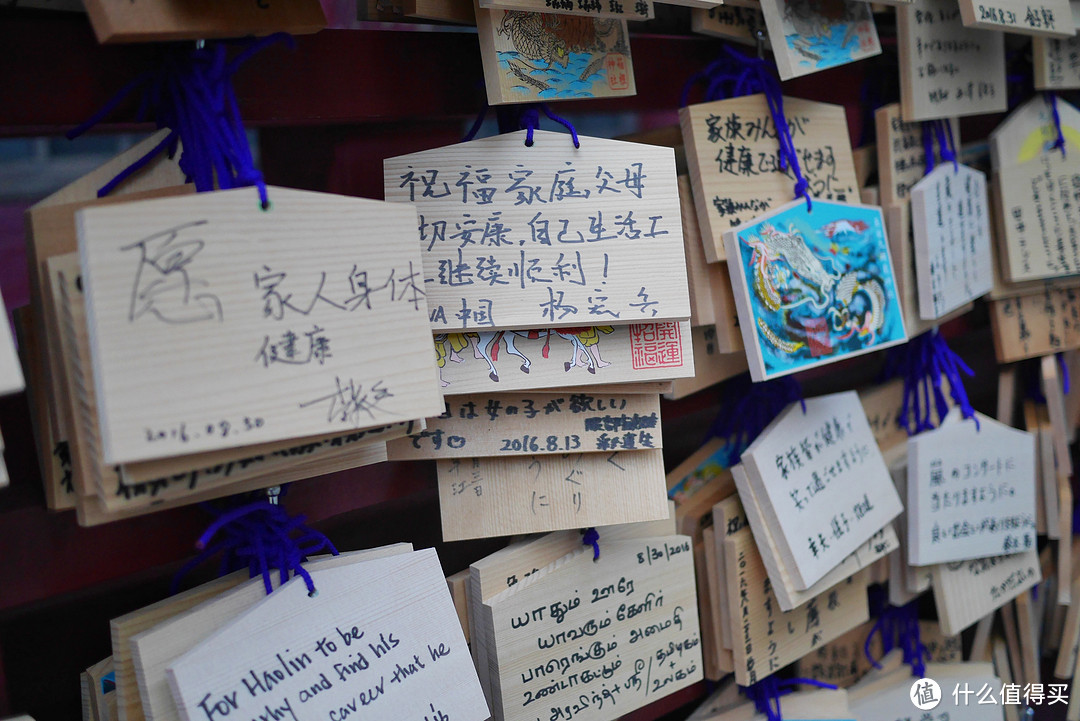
(817, 308)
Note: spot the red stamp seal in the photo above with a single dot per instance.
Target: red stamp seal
(656, 345)
(618, 75)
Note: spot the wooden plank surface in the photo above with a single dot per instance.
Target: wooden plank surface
(312, 319)
(483, 497)
(947, 70)
(733, 156)
(525, 237)
(516, 424)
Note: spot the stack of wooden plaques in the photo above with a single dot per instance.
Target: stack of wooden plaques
(796, 475)
(550, 625)
(157, 349)
(554, 276)
(160, 652)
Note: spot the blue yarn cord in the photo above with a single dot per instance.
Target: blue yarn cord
(747, 408)
(522, 117)
(922, 361)
(1059, 141)
(591, 537)
(734, 74)
(767, 692)
(261, 536)
(190, 93)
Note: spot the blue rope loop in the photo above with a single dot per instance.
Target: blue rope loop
(940, 130)
(735, 74)
(1059, 141)
(748, 407)
(591, 537)
(190, 93)
(258, 534)
(767, 692)
(898, 627)
(523, 117)
(922, 361)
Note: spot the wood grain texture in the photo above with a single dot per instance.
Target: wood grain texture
(741, 25)
(184, 479)
(1056, 63)
(799, 472)
(951, 231)
(966, 591)
(1047, 18)
(733, 157)
(518, 424)
(660, 570)
(784, 585)
(711, 365)
(155, 649)
(946, 69)
(484, 497)
(309, 325)
(1030, 326)
(559, 358)
(127, 21)
(392, 616)
(526, 237)
(767, 639)
(509, 566)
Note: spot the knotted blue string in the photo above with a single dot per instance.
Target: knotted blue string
(527, 118)
(928, 145)
(733, 75)
(748, 407)
(190, 93)
(591, 537)
(1059, 141)
(921, 362)
(940, 130)
(943, 131)
(261, 536)
(896, 626)
(767, 692)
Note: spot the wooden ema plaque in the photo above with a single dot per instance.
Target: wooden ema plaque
(485, 497)
(128, 21)
(531, 56)
(535, 424)
(1046, 18)
(640, 595)
(170, 294)
(611, 9)
(808, 36)
(947, 70)
(380, 638)
(813, 286)
(734, 160)
(534, 237)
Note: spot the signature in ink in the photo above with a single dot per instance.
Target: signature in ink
(349, 400)
(163, 285)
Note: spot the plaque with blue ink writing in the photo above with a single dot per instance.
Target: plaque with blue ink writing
(380, 641)
(216, 324)
(813, 287)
